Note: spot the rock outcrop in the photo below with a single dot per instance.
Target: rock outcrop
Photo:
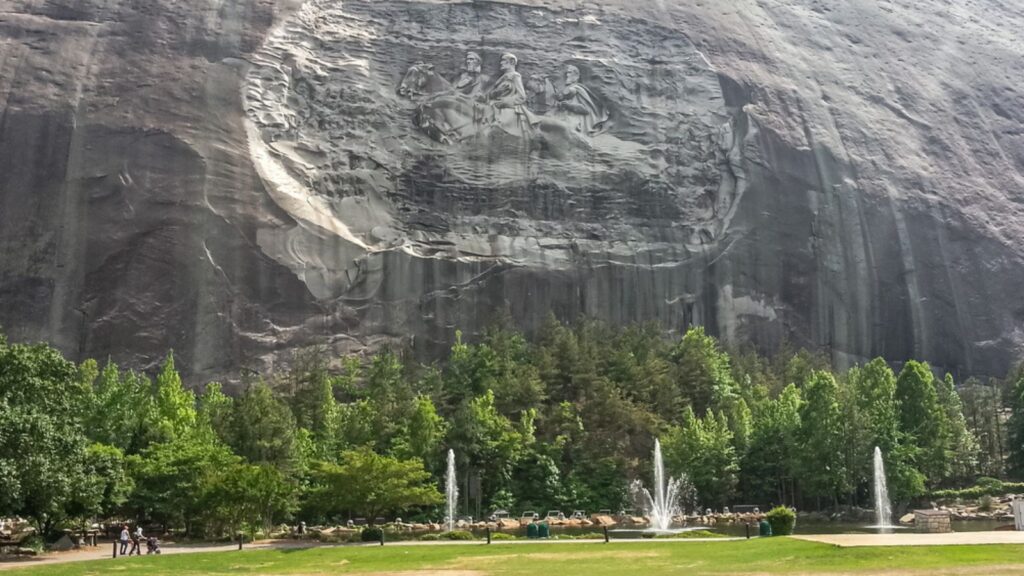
(237, 178)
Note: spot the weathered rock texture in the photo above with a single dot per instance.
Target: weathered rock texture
(236, 178)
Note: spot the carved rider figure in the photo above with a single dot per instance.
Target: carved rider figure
(507, 91)
(507, 99)
(578, 105)
(471, 82)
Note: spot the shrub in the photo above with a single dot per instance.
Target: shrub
(457, 535)
(34, 542)
(430, 536)
(984, 487)
(985, 503)
(503, 536)
(371, 534)
(782, 520)
(987, 482)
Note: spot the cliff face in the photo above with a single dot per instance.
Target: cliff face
(236, 178)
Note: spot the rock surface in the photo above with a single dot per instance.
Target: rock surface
(237, 178)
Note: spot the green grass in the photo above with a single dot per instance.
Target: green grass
(758, 556)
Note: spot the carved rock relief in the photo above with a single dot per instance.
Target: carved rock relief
(480, 130)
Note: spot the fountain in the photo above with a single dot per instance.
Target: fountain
(451, 491)
(663, 505)
(883, 510)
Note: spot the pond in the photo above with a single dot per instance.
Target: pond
(802, 527)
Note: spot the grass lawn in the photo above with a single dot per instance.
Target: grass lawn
(758, 556)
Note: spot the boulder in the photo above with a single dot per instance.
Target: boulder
(64, 543)
(602, 520)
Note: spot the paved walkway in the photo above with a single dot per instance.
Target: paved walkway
(105, 550)
(914, 539)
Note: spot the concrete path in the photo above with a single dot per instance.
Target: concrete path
(914, 539)
(105, 550)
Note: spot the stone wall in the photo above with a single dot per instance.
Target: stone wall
(932, 521)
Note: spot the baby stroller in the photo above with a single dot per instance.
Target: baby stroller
(152, 545)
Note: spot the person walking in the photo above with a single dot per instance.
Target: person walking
(136, 541)
(124, 539)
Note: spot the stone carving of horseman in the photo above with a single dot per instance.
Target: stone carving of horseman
(474, 107)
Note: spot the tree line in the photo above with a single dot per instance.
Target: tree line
(564, 420)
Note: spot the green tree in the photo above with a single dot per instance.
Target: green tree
(172, 480)
(391, 396)
(1015, 425)
(488, 444)
(421, 434)
(368, 484)
(874, 389)
(823, 469)
(42, 446)
(922, 419)
(638, 364)
(356, 425)
(310, 389)
(175, 410)
(772, 462)
(985, 414)
(216, 412)
(263, 428)
(514, 380)
(961, 445)
(104, 487)
(702, 371)
(537, 481)
(702, 448)
(246, 496)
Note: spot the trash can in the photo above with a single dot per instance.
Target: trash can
(543, 531)
(531, 530)
(765, 529)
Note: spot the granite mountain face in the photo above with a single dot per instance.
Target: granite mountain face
(234, 179)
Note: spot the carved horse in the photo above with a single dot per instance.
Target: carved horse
(421, 80)
(448, 116)
(540, 94)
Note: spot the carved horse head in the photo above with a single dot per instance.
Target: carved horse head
(421, 79)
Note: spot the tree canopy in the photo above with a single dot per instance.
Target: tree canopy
(564, 419)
